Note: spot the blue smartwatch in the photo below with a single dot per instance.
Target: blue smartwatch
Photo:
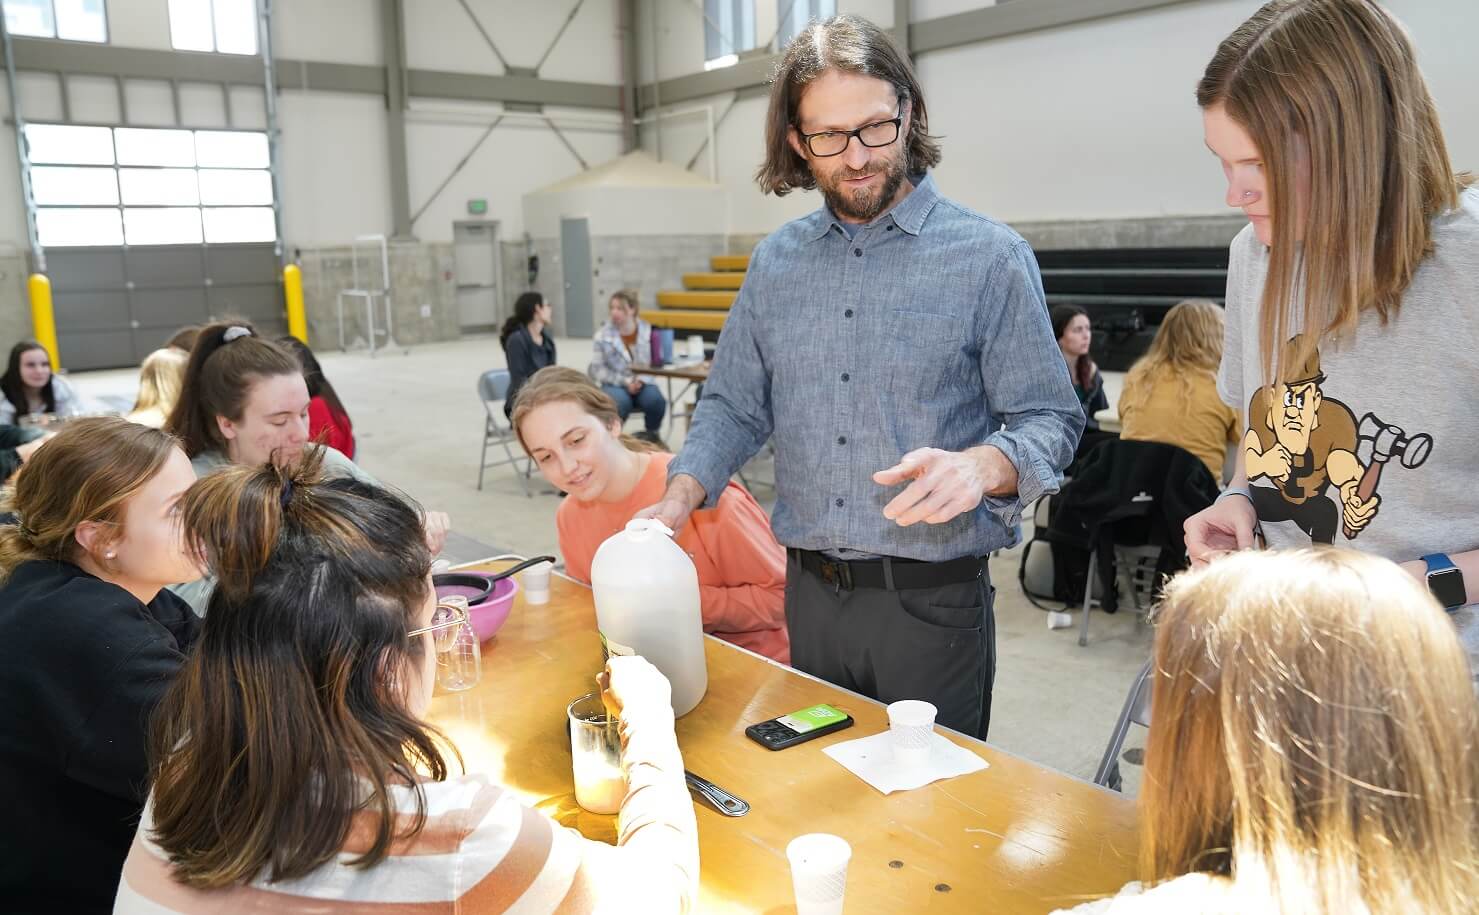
(1446, 581)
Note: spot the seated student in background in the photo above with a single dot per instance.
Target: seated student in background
(328, 421)
(1071, 327)
(1170, 395)
(1313, 745)
(573, 433)
(293, 767)
(623, 340)
(160, 378)
(89, 641)
(31, 388)
(526, 344)
(245, 401)
(17, 444)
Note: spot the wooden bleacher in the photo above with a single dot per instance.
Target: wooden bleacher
(703, 303)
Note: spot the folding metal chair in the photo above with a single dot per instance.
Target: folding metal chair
(493, 389)
(1136, 711)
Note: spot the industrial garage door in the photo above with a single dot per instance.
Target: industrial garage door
(146, 230)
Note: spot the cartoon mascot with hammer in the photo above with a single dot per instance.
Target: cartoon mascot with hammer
(1303, 442)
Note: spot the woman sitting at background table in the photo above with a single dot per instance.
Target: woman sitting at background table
(573, 432)
(160, 378)
(89, 641)
(526, 345)
(328, 420)
(620, 342)
(245, 401)
(292, 762)
(1071, 327)
(31, 388)
(1312, 749)
(1171, 394)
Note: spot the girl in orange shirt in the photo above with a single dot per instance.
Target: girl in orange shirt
(573, 432)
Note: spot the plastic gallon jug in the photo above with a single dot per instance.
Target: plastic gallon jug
(646, 592)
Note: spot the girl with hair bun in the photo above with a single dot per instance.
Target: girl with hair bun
(527, 344)
(89, 642)
(293, 764)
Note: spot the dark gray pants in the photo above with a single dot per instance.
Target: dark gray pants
(936, 644)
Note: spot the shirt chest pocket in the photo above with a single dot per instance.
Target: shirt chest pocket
(926, 351)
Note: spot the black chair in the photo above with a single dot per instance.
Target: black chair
(1124, 511)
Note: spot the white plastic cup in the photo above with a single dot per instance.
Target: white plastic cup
(912, 724)
(696, 347)
(536, 583)
(819, 872)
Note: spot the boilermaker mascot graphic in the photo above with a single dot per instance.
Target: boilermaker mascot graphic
(1300, 443)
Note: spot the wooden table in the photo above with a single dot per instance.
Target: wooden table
(694, 373)
(1014, 838)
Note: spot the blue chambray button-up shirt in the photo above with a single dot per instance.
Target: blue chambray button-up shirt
(927, 328)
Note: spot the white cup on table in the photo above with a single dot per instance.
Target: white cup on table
(819, 872)
(911, 722)
(536, 583)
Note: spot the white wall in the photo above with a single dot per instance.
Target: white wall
(1090, 121)
(338, 31)
(335, 167)
(627, 211)
(440, 36)
(518, 156)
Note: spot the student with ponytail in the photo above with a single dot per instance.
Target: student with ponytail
(294, 769)
(246, 402)
(526, 344)
(89, 641)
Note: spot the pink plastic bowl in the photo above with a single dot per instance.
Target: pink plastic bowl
(490, 615)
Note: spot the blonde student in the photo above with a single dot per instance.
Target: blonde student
(1352, 339)
(1312, 747)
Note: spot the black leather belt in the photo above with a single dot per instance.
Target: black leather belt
(888, 574)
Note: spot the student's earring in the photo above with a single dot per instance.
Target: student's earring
(109, 555)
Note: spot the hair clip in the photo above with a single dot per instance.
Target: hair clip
(235, 332)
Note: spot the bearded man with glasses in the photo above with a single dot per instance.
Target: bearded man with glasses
(896, 347)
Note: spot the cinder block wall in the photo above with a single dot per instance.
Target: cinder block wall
(423, 293)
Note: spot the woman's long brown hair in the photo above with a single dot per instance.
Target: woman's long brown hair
(1331, 94)
(1314, 737)
(288, 723)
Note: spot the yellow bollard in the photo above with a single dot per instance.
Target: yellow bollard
(43, 316)
(292, 290)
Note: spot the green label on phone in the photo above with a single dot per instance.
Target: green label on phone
(809, 719)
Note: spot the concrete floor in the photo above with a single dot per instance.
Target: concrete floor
(418, 424)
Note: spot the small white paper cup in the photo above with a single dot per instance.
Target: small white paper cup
(819, 872)
(912, 724)
(536, 583)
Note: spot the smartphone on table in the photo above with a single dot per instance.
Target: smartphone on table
(798, 727)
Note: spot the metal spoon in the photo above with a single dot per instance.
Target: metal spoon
(726, 803)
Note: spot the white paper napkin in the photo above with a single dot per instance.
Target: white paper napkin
(872, 760)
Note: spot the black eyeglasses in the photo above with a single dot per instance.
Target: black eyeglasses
(834, 142)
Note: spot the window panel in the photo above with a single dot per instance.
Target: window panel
(231, 149)
(62, 143)
(52, 185)
(59, 228)
(138, 146)
(235, 187)
(30, 17)
(159, 186)
(239, 224)
(81, 20)
(236, 26)
(190, 26)
(162, 226)
(793, 16)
